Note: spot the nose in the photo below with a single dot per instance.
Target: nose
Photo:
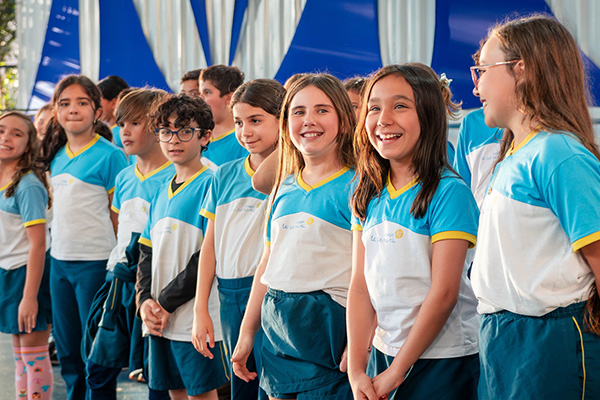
(308, 119)
(476, 91)
(384, 117)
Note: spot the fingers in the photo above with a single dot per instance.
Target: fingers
(344, 361)
(240, 370)
(27, 322)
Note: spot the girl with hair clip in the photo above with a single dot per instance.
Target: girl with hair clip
(301, 284)
(537, 266)
(83, 167)
(233, 206)
(414, 221)
(24, 282)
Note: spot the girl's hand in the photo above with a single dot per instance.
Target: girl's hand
(28, 309)
(240, 356)
(151, 313)
(344, 362)
(387, 381)
(362, 388)
(202, 327)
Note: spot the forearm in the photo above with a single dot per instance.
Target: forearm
(35, 260)
(206, 276)
(264, 177)
(143, 277)
(360, 319)
(251, 321)
(181, 289)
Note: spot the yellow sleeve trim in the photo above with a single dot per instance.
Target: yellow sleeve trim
(267, 243)
(357, 227)
(111, 190)
(115, 209)
(207, 214)
(472, 239)
(35, 222)
(145, 242)
(584, 241)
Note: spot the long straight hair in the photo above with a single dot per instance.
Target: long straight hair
(433, 102)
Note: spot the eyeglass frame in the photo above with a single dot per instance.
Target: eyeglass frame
(475, 68)
(175, 133)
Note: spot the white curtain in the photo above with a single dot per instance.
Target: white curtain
(89, 38)
(32, 20)
(406, 30)
(267, 32)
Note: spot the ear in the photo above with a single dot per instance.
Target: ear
(519, 68)
(228, 98)
(97, 114)
(204, 137)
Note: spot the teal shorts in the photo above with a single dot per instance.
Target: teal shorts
(304, 339)
(176, 365)
(547, 357)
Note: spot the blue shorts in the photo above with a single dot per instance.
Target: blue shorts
(176, 365)
(305, 337)
(443, 378)
(12, 283)
(547, 357)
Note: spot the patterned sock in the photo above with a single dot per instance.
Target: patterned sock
(39, 372)
(20, 375)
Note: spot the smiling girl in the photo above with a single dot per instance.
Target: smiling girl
(537, 266)
(24, 282)
(300, 287)
(415, 219)
(83, 167)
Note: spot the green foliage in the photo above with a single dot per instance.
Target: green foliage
(8, 76)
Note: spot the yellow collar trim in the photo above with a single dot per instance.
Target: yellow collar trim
(397, 192)
(11, 181)
(187, 182)
(222, 136)
(248, 168)
(307, 187)
(142, 177)
(87, 146)
(530, 136)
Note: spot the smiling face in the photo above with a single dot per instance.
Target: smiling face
(496, 87)
(75, 112)
(255, 129)
(14, 138)
(183, 153)
(313, 123)
(392, 122)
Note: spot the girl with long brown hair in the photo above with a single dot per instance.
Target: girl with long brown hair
(415, 220)
(537, 264)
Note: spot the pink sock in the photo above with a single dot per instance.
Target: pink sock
(20, 375)
(39, 372)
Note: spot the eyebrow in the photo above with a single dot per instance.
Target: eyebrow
(14, 129)
(396, 97)
(77, 98)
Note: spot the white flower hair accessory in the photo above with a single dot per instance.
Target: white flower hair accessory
(445, 81)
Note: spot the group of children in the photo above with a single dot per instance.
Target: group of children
(370, 271)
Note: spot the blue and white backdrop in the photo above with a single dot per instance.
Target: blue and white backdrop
(153, 42)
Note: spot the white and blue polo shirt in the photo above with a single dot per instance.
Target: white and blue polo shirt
(27, 207)
(397, 265)
(175, 231)
(477, 149)
(131, 200)
(541, 208)
(222, 149)
(310, 237)
(81, 226)
(238, 212)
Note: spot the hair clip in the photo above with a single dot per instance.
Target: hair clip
(445, 81)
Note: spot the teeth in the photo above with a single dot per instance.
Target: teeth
(4, 147)
(390, 136)
(311, 135)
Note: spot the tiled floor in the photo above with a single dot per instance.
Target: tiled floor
(126, 389)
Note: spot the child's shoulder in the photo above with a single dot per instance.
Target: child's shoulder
(230, 168)
(452, 185)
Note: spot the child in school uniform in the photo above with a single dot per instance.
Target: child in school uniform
(300, 287)
(414, 220)
(83, 167)
(111, 87)
(233, 206)
(24, 275)
(217, 84)
(537, 265)
(189, 83)
(170, 247)
(114, 334)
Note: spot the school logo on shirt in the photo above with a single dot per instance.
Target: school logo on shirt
(309, 221)
(143, 209)
(247, 209)
(70, 181)
(301, 224)
(398, 233)
(391, 238)
(174, 227)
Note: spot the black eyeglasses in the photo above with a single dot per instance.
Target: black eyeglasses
(478, 70)
(165, 135)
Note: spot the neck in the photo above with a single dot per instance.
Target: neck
(7, 170)
(186, 171)
(223, 127)
(79, 141)
(521, 129)
(150, 161)
(317, 169)
(401, 173)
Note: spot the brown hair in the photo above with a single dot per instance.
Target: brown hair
(192, 75)
(137, 104)
(56, 137)
(225, 78)
(356, 84)
(433, 104)
(28, 161)
(552, 91)
(261, 93)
